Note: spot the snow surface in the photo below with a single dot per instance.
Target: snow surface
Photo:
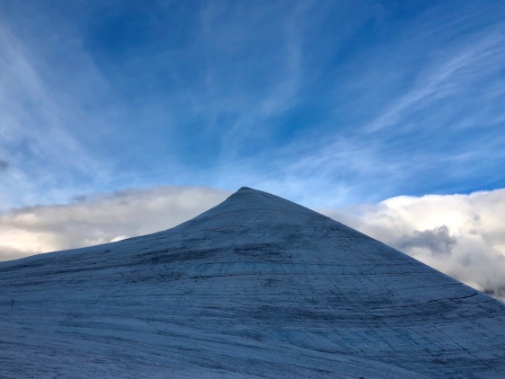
(257, 287)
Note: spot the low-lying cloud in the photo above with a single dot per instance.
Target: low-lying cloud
(460, 235)
(100, 218)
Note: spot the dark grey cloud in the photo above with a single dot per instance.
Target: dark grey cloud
(4, 165)
(498, 292)
(437, 241)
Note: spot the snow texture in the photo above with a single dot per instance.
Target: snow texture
(257, 287)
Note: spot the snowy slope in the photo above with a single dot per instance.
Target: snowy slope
(257, 287)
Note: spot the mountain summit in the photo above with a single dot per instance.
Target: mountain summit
(256, 287)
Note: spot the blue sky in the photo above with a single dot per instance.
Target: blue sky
(329, 103)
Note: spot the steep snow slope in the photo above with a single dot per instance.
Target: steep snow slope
(257, 287)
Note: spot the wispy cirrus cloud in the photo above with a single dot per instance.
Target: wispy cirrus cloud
(243, 96)
(39, 126)
(440, 119)
(356, 102)
(461, 69)
(456, 70)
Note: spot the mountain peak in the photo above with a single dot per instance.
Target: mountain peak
(255, 287)
(248, 204)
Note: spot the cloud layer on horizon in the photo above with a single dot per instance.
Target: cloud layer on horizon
(101, 218)
(460, 235)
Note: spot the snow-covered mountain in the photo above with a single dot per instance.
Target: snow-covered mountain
(257, 287)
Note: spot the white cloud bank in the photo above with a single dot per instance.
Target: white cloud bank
(101, 218)
(461, 235)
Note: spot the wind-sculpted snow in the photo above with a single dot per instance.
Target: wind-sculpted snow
(257, 287)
